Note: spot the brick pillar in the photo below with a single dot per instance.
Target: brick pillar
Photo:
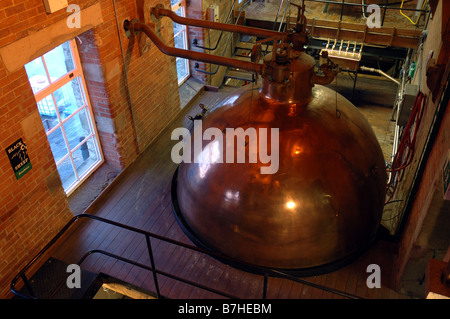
(100, 102)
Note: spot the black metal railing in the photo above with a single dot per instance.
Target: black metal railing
(265, 273)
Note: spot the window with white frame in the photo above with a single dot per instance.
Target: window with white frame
(180, 37)
(59, 88)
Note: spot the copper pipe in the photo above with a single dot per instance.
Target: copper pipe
(364, 68)
(192, 55)
(160, 11)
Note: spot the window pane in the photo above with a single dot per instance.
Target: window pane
(69, 98)
(57, 144)
(47, 111)
(66, 173)
(182, 69)
(46, 107)
(180, 41)
(172, 2)
(37, 75)
(177, 28)
(85, 156)
(59, 61)
(180, 12)
(77, 128)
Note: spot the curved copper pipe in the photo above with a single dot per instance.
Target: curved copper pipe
(192, 55)
(160, 11)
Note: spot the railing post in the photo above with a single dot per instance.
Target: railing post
(384, 12)
(152, 263)
(27, 284)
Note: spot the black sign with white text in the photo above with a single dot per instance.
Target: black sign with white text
(18, 157)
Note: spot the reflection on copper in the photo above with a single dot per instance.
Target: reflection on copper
(211, 154)
(297, 151)
(290, 204)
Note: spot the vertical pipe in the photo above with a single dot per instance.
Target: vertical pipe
(363, 2)
(384, 11)
(282, 19)
(125, 80)
(276, 17)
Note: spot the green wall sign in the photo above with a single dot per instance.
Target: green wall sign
(18, 157)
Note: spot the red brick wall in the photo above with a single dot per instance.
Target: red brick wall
(35, 207)
(99, 98)
(32, 209)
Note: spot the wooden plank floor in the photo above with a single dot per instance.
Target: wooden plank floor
(142, 200)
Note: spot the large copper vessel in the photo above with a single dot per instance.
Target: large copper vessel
(321, 207)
